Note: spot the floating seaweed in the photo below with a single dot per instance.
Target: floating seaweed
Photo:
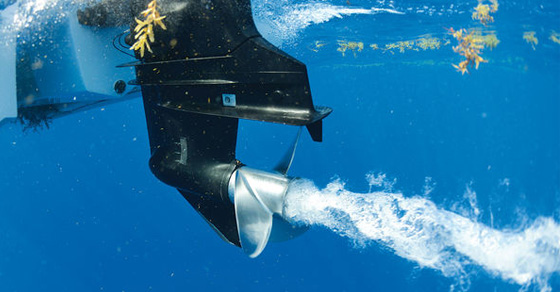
(494, 6)
(401, 45)
(343, 46)
(389, 47)
(37, 117)
(530, 38)
(470, 47)
(482, 12)
(490, 40)
(428, 43)
(555, 37)
(406, 45)
(424, 43)
(145, 28)
(317, 45)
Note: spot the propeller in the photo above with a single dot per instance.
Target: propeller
(258, 197)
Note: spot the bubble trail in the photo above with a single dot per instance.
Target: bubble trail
(417, 230)
(282, 21)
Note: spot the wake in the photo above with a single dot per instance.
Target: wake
(417, 230)
(280, 21)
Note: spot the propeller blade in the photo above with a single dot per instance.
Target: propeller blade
(284, 165)
(254, 220)
(282, 230)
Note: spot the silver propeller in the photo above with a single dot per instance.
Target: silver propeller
(258, 197)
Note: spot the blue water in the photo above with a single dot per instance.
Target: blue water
(427, 180)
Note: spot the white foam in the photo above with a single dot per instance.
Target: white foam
(282, 22)
(417, 230)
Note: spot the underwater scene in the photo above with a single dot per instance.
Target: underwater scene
(437, 170)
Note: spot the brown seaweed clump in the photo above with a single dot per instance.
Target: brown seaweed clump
(470, 47)
(482, 12)
(35, 117)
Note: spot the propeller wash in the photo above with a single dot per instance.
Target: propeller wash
(417, 230)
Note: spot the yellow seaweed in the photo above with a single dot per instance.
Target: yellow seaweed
(406, 45)
(343, 46)
(428, 43)
(145, 28)
(490, 40)
(401, 45)
(317, 45)
(494, 6)
(422, 43)
(487, 38)
(555, 37)
(530, 38)
(470, 47)
(482, 12)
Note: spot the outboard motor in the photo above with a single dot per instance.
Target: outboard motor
(206, 68)
(201, 66)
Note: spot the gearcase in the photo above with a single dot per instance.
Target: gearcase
(206, 70)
